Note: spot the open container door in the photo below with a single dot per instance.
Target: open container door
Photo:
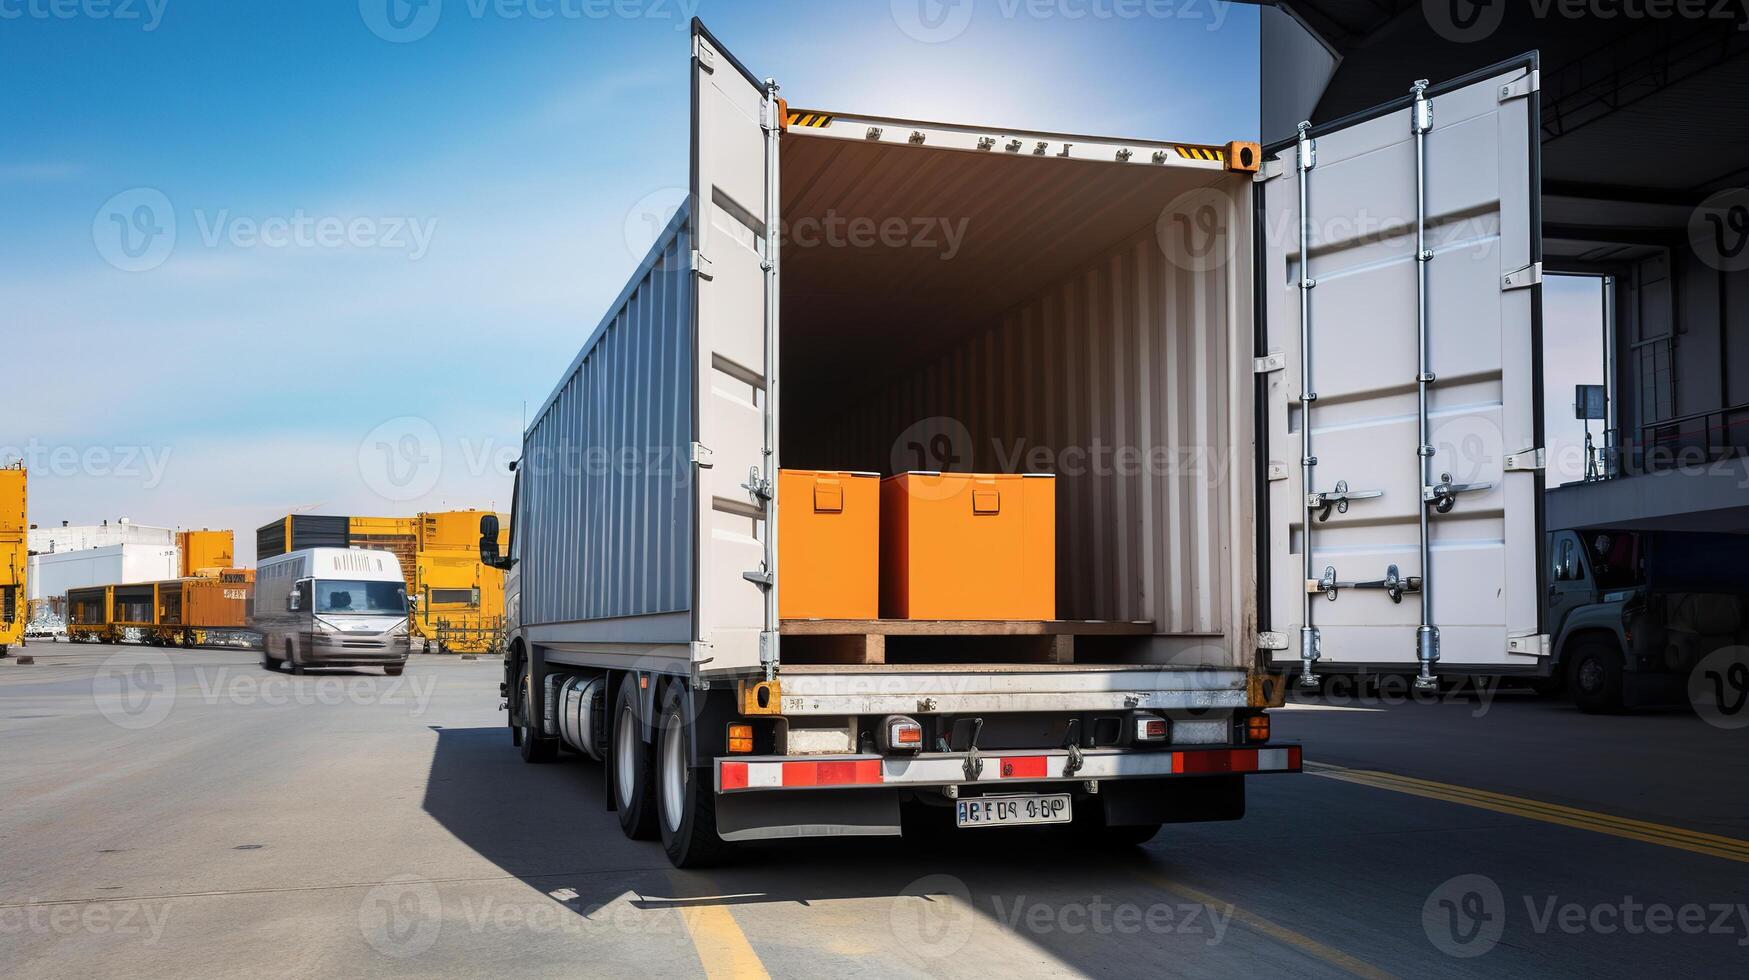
(733, 209)
(1418, 477)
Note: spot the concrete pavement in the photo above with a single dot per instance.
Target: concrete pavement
(188, 814)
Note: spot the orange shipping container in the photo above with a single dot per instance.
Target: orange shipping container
(828, 544)
(968, 546)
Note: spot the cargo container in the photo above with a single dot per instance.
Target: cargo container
(185, 612)
(398, 536)
(14, 557)
(1129, 315)
(461, 601)
(831, 538)
(204, 552)
(295, 532)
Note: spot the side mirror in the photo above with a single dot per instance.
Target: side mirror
(489, 555)
(291, 602)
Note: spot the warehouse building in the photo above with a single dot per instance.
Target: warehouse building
(1644, 207)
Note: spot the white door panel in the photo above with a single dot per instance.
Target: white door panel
(1365, 358)
(730, 212)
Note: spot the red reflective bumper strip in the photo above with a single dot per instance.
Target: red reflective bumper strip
(734, 775)
(855, 772)
(1024, 767)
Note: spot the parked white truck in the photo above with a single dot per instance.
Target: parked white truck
(1127, 314)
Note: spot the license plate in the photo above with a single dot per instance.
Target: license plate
(1011, 811)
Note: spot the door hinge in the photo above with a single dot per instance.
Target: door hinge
(1519, 88)
(1273, 361)
(1271, 169)
(1530, 275)
(1526, 461)
(701, 456)
(701, 265)
(1268, 640)
(707, 59)
(1528, 644)
(1277, 471)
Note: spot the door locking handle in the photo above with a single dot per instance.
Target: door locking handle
(1443, 495)
(1394, 584)
(1338, 499)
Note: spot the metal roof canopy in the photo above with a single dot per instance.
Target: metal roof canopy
(1634, 108)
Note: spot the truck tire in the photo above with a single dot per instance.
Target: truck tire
(1595, 676)
(536, 748)
(267, 660)
(291, 658)
(634, 792)
(687, 803)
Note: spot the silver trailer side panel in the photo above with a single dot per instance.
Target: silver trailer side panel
(606, 510)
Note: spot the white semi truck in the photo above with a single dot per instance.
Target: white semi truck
(858, 292)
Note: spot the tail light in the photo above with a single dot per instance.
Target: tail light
(1257, 728)
(899, 734)
(740, 739)
(1151, 728)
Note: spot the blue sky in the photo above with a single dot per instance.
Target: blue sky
(386, 244)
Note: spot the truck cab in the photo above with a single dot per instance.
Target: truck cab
(1633, 613)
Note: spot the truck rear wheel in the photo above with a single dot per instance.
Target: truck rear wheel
(535, 746)
(1595, 677)
(633, 792)
(688, 804)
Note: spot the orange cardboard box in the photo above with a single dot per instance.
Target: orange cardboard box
(828, 544)
(968, 546)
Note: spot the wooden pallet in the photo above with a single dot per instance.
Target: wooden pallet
(864, 641)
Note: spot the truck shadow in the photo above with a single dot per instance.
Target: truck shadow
(549, 827)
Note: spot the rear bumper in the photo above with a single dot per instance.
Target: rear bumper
(935, 769)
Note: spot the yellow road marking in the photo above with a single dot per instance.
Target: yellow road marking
(722, 947)
(1712, 845)
(1279, 933)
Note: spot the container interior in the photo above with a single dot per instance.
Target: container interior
(994, 312)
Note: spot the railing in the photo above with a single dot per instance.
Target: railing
(1688, 441)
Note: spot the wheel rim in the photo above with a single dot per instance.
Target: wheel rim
(623, 733)
(1590, 676)
(673, 774)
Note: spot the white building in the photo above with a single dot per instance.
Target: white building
(54, 540)
(52, 574)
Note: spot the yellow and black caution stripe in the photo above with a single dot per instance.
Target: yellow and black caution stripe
(1208, 153)
(813, 120)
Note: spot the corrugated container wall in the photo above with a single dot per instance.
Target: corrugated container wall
(606, 472)
(203, 550)
(1129, 354)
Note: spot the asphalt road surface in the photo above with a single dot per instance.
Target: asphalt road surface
(186, 814)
